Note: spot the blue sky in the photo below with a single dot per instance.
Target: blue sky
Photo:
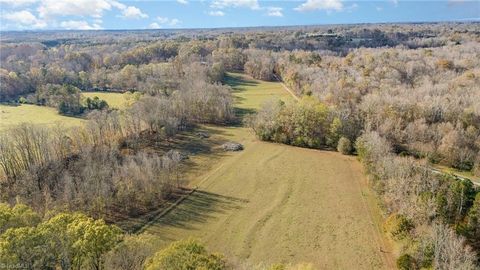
(117, 14)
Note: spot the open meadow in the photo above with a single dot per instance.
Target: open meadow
(114, 100)
(26, 113)
(11, 115)
(276, 203)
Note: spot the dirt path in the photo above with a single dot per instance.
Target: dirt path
(474, 181)
(287, 88)
(275, 203)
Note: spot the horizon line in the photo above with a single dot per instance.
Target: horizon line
(461, 21)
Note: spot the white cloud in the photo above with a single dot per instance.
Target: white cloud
(17, 3)
(328, 5)
(154, 26)
(182, 2)
(174, 22)
(216, 13)
(274, 11)
(93, 8)
(395, 3)
(379, 8)
(86, 8)
(79, 25)
(352, 7)
(115, 4)
(132, 12)
(41, 13)
(220, 4)
(164, 21)
(24, 19)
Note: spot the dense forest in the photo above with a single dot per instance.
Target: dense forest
(402, 97)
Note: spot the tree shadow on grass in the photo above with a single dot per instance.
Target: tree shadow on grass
(10, 104)
(238, 82)
(239, 100)
(197, 208)
(242, 112)
(188, 142)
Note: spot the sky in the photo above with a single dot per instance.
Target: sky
(151, 14)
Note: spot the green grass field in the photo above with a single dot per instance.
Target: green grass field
(26, 113)
(42, 115)
(114, 100)
(276, 203)
(250, 94)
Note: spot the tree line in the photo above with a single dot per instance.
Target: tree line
(416, 197)
(400, 109)
(86, 168)
(72, 240)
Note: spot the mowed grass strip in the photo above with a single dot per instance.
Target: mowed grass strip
(276, 203)
(250, 94)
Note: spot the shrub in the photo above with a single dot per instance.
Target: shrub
(185, 255)
(303, 124)
(66, 98)
(131, 253)
(445, 64)
(454, 199)
(18, 216)
(344, 146)
(96, 103)
(463, 165)
(23, 100)
(398, 226)
(425, 253)
(64, 241)
(406, 262)
(471, 228)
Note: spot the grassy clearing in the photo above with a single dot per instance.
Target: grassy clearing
(42, 115)
(114, 100)
(277, 203)
(11, 115)
(282, 204)
(250, 94)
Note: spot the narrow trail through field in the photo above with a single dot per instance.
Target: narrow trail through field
(286, 88)
(275, 203)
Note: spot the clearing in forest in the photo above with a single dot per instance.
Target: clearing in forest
(11, 115)
(275, 203)
(114, 100)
